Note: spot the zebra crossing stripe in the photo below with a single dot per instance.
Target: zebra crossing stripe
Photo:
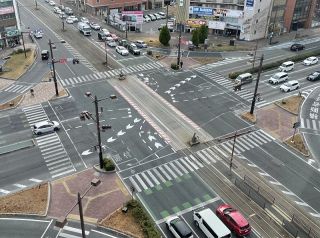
(221, 152)
(244, 141)
(213, 154)
(63, 173)
(35, 180)
(165, 173)
(159, 175)
(266, 136)
(135, 185)
(186, 164)
(202, 157)
(147, 180)
(237, 148)
(4, 191)
(252, 140)
(302, 123)
(257, 138)
(111, 72)
(153, 177)
(141, 182)
(181, 167)
(225, 147)
(170, 171)
(176, 169)
(19, 185)
(96, 76)
(208, 156)
(243, 144)
(191, 163)
(58, 161)
(196, 161)
(64, 165)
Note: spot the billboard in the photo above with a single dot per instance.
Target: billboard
(6, 10)
(249, 3)
(133, 16)
(218, 25)
(193, 23)
(201, 11)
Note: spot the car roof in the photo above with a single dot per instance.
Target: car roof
(281, 73)
(293, 81)
(41, 123)
(238, 218)
(182, 227)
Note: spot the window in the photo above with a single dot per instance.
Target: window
(209, 229)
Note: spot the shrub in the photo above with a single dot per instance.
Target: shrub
(164, 36)
(195, 37)
(174, 66)
(108, 164)
(234, 75)
(149, 52)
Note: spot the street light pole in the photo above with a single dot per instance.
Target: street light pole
(256, 87)
(53, 68)
(179, 45)
(96, 103)
(105, 48)
(126, 30)
(83, 231)
(24, 48)
(234, 143)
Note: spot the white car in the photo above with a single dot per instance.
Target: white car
(52, 3)
(84, 20)
(69, 20)
(157, 16)
(278, 78)
(105, 31)
(311, 60)
(112, 43)
(141, 44)
(146, 19)
(121, 50)
(163, 15)
(45, 127)
(178, 227)
(290, 86)
(95, 26)
(74, 18)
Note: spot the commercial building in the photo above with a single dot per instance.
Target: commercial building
(9, 23)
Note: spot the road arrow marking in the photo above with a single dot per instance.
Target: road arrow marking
(120, 133)
(157, 144)
(129, 127)
(150, 137)
(86, 152)
(111, 139)
(136, 120)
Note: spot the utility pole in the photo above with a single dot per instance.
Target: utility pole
(83, 231)
(167, 4)
(179, 45)
(96, 102)
(255, 54)
(126, 30)
(256, 87)
(234, 143)
(53, 68)
(24, 48)
(105, 48)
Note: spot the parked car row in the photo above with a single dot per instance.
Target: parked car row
(211, 224)
(154, 16)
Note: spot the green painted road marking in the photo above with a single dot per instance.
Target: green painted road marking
(197, 201)
(178, 179)
(158, 187)
(164, 214)
(187, 176)
(176, 209)
(187, 205)
(148, 191)
(168, 183)
(206, 197)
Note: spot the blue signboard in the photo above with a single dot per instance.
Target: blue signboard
(201, 11)
(249, 3)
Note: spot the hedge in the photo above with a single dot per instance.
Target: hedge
(174, 66)
(108, 164)
(276, 64)
(144, 220)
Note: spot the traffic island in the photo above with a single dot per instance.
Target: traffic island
(297, 143)
(249, 117)
(291, 104)
(33, 201)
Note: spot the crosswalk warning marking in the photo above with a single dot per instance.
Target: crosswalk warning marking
(203, 157)
(186, 164)
(153, 177)
(181, 167)
(147, 180)
(159, 175)
(165, 173)
(170, 171)
(196, 161)
(176, 169)
(208, 156)
(141, 182)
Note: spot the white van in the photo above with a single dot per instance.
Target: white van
(243, 79)
(210, 224)
(286, 66)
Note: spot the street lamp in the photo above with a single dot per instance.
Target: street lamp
(60, 222)
(179, 45)
(53, 68)
(87, 115)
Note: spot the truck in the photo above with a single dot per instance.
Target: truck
(84, 28)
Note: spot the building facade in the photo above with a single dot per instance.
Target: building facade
(9, 23)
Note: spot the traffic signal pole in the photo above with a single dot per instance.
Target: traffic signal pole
(53, 68)
(256, 87)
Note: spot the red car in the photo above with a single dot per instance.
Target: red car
(233, 220)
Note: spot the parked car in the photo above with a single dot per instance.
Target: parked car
(74, 18)
(163, 15)
(69, 20)
(278, 78)
(115, 37)
(233, 219)
(178, 227)
(191, 46)
(140, 44)
(47, 1)
(123, 42)
(121, 50)
(314, 76)
(146, 19)
(62, 8)
(111, 43)
(45, 127)
(106, 31)
(133, 49)
(157, 16)
(56, 10)
(95, 26)
(152, 17)
(62, 15)
(52, 3)
(310, 61)
(68, 11)
(290, 86)
(84, 20)
(297, 47)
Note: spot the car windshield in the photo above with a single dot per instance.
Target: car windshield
(287, 84)
(276, 76)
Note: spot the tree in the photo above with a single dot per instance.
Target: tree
(195, 37)
(203, 33)
(164, 36)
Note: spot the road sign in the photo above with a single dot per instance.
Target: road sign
(296, 124)
(62, 61)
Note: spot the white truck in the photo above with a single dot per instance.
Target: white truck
(84, 28)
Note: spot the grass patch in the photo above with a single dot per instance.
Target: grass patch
(30, 201)
(206, 60)
(249, 117)
(11, 103)
(291, 104)
(298, 144)
(17, 65)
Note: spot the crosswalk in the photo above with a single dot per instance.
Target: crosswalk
(19, 185)
(54, 155)
(17, 88)
(224, 62)
(184, 165)
(308, 123)
(228, 84)
(287, 45)
(110, 73)
(35, 114)
(71, 232)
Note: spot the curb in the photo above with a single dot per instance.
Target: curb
(298, 151)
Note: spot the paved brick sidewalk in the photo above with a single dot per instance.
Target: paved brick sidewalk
(99, 202)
